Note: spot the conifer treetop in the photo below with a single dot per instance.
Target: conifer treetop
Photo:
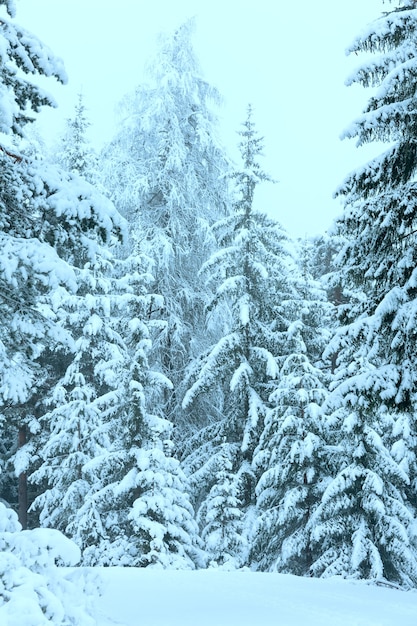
(251, 174)
(22, 54)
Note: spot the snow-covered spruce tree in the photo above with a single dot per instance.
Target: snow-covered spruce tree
(125, 406)
(27, 266)
(292, 457)
(51, 224)
(142, 517)
(365, 525)
(249, 275)
(38, 221)
(81, 374)
(74, 152)
(146, 516)
(82, 402)
(220, 515)
(85, 397)
(138, 512)
(166, 175)
(33, 590)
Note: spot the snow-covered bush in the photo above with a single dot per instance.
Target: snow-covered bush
(34, 591)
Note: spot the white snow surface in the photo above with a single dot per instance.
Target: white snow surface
(150, 597)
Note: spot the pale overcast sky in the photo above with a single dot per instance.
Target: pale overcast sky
(286, 58)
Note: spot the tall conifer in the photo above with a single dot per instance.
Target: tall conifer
(249, 277)
(365, 523)
(166, 172)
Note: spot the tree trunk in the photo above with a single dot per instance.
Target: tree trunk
(23, 485)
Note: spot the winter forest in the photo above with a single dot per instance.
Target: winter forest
(181, 384)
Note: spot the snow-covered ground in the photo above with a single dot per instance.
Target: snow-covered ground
(139, 597)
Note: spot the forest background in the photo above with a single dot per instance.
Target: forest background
(183, 384)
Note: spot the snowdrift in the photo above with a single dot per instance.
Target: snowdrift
(145, 597)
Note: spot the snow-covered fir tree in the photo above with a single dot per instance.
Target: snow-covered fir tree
(51, 224)
(132, 506)
(220, 515)
(365, 525)
(27, 266)
(142, 515)
(38, 209)
(249, 275)
(82, 402)
(85, 394)
(125, 423)
(80, 373)
(292, 456)
(165, 170)
(75, 153)
(147, 517)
